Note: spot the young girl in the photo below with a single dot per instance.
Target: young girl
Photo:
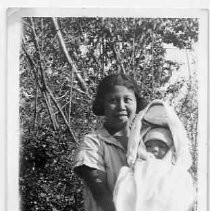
(103, 152)
(158, 177)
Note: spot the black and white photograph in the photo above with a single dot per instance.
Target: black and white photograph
(109, 109)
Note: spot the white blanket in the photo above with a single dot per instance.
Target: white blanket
(149, 184)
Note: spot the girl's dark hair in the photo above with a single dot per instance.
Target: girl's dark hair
(106, 85)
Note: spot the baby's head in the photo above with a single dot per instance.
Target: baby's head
(158, 141)
(107, 85)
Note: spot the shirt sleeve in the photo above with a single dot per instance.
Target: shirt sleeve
(90, 153)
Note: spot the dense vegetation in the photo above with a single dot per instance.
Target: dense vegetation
(61, 62)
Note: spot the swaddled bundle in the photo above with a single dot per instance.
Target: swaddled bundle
(156, 182)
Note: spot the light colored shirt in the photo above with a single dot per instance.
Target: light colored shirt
(101, 151)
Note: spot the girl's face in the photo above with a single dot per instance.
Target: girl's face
(119, 108)
(157, 147)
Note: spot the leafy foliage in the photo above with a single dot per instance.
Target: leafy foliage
(61, 62)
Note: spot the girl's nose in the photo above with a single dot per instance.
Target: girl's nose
(121, 104)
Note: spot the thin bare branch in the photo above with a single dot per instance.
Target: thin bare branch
(49, 108)
(188, 65)
(33, 66)
(43, 79)
(35, 39)
(81, 92)
(42, 35)
(62, 114)
(117, 57)
(152, 54)
(35, 110)
(68, 57)
(58, 98)
(45, 87)
(78, 90)
(70, 96)
(26, 23)
(34, 35)
(40, 86)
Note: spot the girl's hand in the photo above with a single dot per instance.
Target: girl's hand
(96, 181)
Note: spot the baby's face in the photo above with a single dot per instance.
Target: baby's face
(157, 147)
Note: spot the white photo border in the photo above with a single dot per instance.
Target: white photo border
(14, 16)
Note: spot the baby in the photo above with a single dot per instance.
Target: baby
(158, 141)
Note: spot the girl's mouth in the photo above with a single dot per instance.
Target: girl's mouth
(121, 114)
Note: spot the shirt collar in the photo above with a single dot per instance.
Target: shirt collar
(108, 138)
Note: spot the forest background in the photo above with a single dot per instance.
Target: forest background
(61, 62)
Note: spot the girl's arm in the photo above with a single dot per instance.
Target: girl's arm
(96, 181)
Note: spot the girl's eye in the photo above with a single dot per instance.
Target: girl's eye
(127, 100)
(112, 100)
